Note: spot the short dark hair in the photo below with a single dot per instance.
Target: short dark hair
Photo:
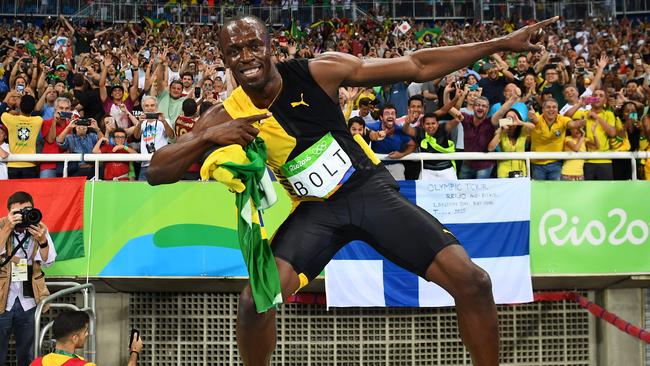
(187, 73)
(78, 80)
(204, 107)
(385, 107)
(429, 115)
(176, 82)
(357, 120)
(189, 107)
(415, 97)
(27, 104)
(68, 323)
(19, 197)
(120, 130)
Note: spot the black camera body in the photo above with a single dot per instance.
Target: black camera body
(83, 122)
(151, 148)
(30, 216)
(150, 115)
(516, 174)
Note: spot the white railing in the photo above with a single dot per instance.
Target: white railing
(527, 156)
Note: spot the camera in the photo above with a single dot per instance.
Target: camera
(83, 122)
(30, 216)
(197, 92)
(83, 69)
(65, 115)
(516, 174)
(151, 148)
(150, 115)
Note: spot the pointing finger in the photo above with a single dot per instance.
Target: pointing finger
(546, 22)
(257, 117)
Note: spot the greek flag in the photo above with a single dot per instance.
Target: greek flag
(490, 218)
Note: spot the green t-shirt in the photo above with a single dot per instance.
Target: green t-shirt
(169, 107)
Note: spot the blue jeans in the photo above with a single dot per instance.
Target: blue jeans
(550, 171)
(48, 173)
(469, 173)
(21, 324)
(143, 174)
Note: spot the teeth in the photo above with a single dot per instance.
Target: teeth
(251, 71)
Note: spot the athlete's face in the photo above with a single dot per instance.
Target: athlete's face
(247, 52)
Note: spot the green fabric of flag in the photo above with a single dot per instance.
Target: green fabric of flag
(258, 194)
(432, 32)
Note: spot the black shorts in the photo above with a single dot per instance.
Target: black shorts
(376, 213)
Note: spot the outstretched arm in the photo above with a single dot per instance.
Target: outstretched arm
(333, 69)
(215, 127)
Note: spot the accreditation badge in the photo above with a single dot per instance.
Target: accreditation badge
(19, 271)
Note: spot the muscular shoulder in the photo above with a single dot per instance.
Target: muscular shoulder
(331, 69)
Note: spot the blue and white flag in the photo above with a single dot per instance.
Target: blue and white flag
(490, 218)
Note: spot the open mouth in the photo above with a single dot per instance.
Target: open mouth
(251, 72)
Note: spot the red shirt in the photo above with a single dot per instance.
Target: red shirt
(183, 126)
(114, 169)
(52, 148)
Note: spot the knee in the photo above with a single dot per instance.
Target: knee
(246, 307)
(476, 284)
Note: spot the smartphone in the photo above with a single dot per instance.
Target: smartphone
(135, 334)
(65, 115)
(634, 116)
(197, 92)
(505, 122)
(638, 61)
(149, 115)
(20, 88)
(592, 100)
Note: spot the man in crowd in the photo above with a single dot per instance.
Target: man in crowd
(23, 245)
(478, 131)
(51, 129)
(23, 133)
(80, 141)
(395, 143)
(152, 129)
(302, 95)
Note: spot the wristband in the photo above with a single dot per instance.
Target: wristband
(136, 352)
(43, 245)
(125, 147)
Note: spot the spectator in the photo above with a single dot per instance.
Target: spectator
(365, 107)
(184, 124)
(77, 139)
(45, 105)
(4, 152)
(88, 97)
(572, 169)
(70, 330)
(115, 170)
(395, 143)
(153, 131)
(134, 349)
(553, 82)
(170, 102)
(478, 131)
(493, 84)
(430, 137)
(601, 125)
(23, 132)
(52, 128)
(511, 136)
(116, 105)
(571, 92)
(188, 84)
(19, 293)
(548, 136)
(414, 111)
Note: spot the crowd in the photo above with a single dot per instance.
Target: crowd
(131, 88)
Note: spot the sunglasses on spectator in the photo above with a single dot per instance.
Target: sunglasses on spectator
(120, 137)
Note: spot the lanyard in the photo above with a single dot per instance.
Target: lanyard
(65, 353)
(21, 243)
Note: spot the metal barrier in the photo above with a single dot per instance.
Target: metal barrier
(527, 156)
(282, 12)
(88, 291)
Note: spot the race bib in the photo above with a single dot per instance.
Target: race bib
(320, 170)
(19, 271)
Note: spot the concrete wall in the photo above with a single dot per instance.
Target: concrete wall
(614, 346)
(112, 328)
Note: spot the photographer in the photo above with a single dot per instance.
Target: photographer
(80, 142)
(27, 247)
(152, 129)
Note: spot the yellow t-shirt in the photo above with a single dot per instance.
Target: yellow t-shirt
(547, 138)
(603, 139)
(23, 132)
(574, 167)
(504, 167)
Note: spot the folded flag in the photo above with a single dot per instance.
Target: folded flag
(245, 173)
(490, 218)
(428, 34)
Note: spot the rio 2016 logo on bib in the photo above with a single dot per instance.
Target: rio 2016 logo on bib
(320, 170)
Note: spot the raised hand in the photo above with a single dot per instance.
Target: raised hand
(528, 37)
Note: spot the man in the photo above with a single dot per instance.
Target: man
(153, 133)
(573, 103)
(414, 111)
(50, 130)
(188, 84)
(493, 84)
(601, 125)
(394, 142)
(184, 124)
(30, 246)
(115, 105)
(88, 97)
(170, 101)
(302, 95)
(523, 68)
(365, 107)
(554, 83)
(478, 131)
(45, 105)
(85, 136)
(548, 136)
(70, 329)
(430, 137)
(23, 133)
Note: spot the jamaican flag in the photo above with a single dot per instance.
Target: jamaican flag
(61, 200)
(155, 22)
(427, 33)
